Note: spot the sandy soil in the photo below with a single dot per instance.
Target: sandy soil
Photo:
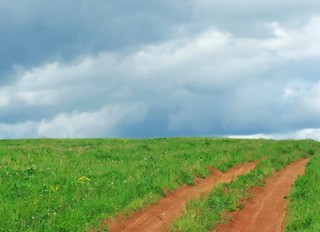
(158, 217)
(265, 211)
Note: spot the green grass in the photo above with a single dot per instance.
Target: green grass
(70, 185)
(209, 211)
(304, 207)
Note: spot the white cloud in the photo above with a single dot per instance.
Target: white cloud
(310, 133)
(97, 124)
(310, 99)
(289, 92)
(305, 96)
(254, 136)
(292, 43)
(101, 123)
(4, 97)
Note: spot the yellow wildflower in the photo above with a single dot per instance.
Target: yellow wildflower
(54, 188)
(83, 179)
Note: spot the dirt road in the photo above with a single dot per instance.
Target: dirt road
(158, 217)
(265, 211)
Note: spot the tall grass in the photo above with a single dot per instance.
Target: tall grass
(70, 185)
(304, 207)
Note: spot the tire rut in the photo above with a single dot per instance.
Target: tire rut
(160, 216)
(266, 210)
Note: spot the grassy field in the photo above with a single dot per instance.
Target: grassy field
(70, 185)
(208, 212)
(304, 207)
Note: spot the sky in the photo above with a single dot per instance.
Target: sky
(133, 68)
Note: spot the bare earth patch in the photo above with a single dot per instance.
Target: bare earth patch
(160, 216)
(265, 211)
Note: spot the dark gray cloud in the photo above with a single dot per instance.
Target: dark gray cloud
(169, 68)
(42, 31)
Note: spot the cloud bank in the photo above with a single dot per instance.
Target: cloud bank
(197, 79)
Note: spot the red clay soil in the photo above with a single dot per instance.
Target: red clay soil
(266, 210)
(158, 217)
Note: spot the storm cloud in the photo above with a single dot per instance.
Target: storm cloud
(172, 68)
